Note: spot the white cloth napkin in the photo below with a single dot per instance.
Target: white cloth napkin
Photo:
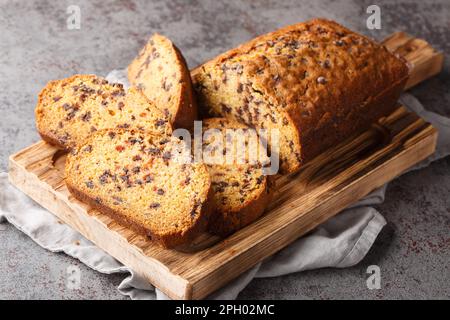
(340, 242)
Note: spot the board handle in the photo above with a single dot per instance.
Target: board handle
(425, 61)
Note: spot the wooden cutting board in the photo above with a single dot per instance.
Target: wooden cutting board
(325, 186)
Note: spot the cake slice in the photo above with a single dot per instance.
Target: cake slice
(161, 72)
(241, 191)
(71, 109)
(143, 181)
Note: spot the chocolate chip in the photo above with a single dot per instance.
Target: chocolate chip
(167, 156)
(160, 192)
(220, 186)
(134, 140)
(260, 179)
(118, 93)
(225, 108)
(163, 141)
(88, 148)
(103, 179)
(71, 115)
(166, 86)
(148, 178)
(136, 169)
(55, 99)
(83, 97)
(154, 205)
(137, 158)
(195, 208)
(120, 105)
(63, 139)
(89, 184)
(125, 178)
(240, 88)
(339, 43)
(87, 116)
(153, 151)
(160, 122)
(111, 134)
(326, 64)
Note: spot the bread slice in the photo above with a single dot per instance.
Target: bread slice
(241, 191)
(138, 179)
(70, 110)
(161, 72)
(316, 82)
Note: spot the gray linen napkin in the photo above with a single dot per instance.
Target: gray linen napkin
(340, 242)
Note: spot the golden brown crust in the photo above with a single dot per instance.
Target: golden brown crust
(188, 110)
(183, 107)
(322, 78)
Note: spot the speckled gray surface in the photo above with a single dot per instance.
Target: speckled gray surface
(413, 251)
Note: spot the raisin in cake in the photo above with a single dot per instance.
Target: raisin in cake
(70, 110)
(240, 189)
(137, 179)
(161, 72)
(317, 82)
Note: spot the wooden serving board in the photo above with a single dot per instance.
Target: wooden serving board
(325, 186)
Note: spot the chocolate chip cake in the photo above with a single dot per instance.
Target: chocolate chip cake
(141, 181)
(240, 189)
(317, 82)
(161, 72)
(70, 110)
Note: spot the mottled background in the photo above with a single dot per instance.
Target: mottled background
(413, 250)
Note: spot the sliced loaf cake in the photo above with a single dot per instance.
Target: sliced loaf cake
(161, 72)
(317, 83)
(70, 110)
(140, 180)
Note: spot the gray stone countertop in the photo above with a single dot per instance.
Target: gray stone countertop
(413, 250)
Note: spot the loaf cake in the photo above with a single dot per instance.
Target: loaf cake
(70, 110)
(240, 189)
(137, 178)
(316, 82)
(161, 72)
